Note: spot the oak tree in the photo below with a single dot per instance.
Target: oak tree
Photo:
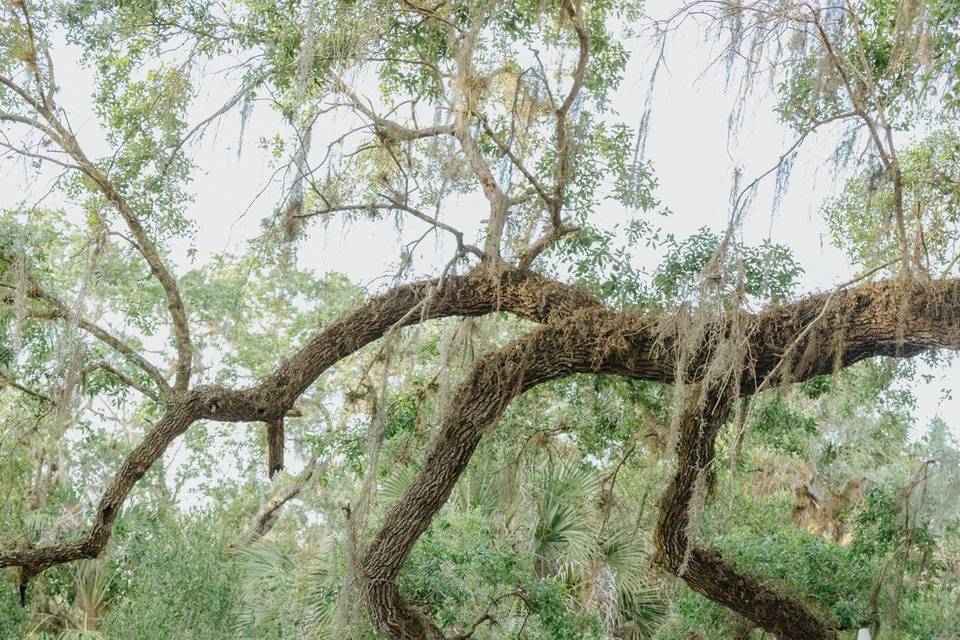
(494, 106)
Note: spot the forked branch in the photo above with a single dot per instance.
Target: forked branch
(48, 121)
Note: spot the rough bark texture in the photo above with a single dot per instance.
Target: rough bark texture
(177, 419)
(881, 319)
(589, 340)
(786, 344)
(704, 569)
(522, 293)
(274, 446)
(526, 294)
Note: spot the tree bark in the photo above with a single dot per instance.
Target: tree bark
(270, 512)
(704, 569)
(274, 446)
(523, 293)
(876, 319)
(789, 343)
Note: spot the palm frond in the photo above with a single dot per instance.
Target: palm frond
(640, 601)
(477, 488)
(266, 579)
(563, 537)
(318, 592)
(263, 560)
(91, 581)
(393, 486)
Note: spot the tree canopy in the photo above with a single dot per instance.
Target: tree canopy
(537, 434)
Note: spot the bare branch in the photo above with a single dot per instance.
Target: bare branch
(398, 206)
(10, 382)
(387, 128)
(579, 74)
(230, 104)
(30, 122)
(564, 144)
(540, 189)
(545, 241)
(270, 512)
(122, 377)
(463, 109)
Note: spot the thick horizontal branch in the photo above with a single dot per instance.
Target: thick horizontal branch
(523, 293)
(877, 319)
(579, 336)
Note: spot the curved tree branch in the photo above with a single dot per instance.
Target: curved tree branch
(270, 512)
(578, 335)
(704, 570)
(61, 310)
(178, 417)
(876, 319)
(61, 134)
(146, 247)
(526, 294)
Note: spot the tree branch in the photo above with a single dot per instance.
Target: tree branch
(462, 112)
(385, 127)
(704, 570)
(394, 205)
(61, 310)
(528, 295)
(47, 110)
(871, 319)
(10, 382)
(269, 513)
(122, 377)
(579, 336)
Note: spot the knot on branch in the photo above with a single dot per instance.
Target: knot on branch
(213, 405)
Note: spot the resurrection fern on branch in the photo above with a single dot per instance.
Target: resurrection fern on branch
(420, 114)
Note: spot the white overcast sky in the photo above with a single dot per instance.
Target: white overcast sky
(690, 147)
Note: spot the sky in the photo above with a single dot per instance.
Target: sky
(693, 152)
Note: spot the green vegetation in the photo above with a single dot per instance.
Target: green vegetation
(503, 444)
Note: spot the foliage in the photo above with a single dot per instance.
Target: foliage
(828, 489)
